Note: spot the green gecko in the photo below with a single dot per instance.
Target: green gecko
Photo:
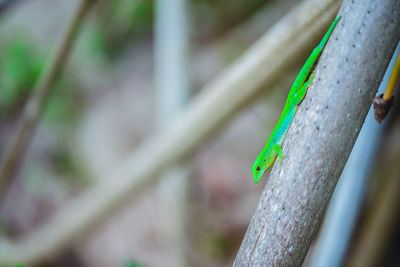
(273, 148)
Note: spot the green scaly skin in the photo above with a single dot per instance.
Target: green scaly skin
(273, 148)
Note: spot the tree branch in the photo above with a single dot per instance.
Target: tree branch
(36, 102)
(322, 135)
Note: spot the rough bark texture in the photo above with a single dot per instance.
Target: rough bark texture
(322, 135)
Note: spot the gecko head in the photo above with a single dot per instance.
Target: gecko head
(259, 169)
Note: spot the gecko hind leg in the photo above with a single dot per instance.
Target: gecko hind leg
(299, 96)
(278, 149)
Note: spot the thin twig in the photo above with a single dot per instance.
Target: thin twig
(384, 102)
(394, 78)
(36, 102)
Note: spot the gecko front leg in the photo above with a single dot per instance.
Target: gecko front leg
(277, 148)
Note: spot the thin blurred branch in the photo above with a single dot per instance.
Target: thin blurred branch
(37, 100)
(219, 101)
(171, 49)
(382, 216)
(322, 135)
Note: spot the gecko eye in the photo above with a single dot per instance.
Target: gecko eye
(258, 168)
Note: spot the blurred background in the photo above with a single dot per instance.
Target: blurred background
(134, 67)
